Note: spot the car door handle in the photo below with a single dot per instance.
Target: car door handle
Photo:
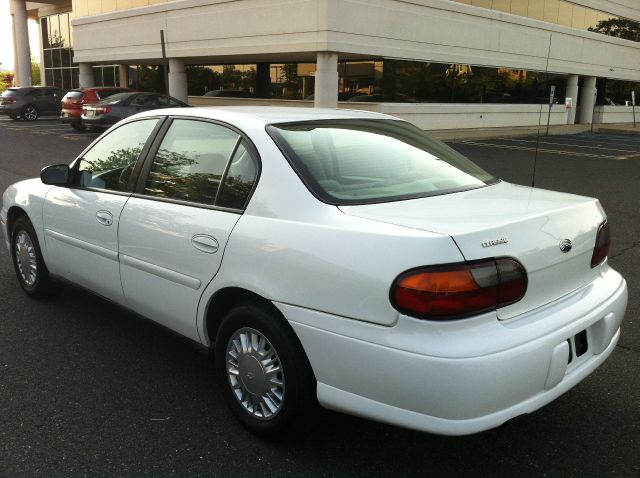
(104, 217)
(205, 243)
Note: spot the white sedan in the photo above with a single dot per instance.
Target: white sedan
(330, 256)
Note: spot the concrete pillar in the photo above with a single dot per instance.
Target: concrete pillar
(177, 79)
(86, 75)
(263, 80)
(572, 92)
(22, 59)
(123, 73)
(326, 82)
(587, 100)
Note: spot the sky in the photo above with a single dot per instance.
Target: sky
(6, 37)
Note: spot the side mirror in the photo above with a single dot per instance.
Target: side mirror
(56, 175)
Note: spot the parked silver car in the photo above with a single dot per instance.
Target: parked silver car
(30, 102)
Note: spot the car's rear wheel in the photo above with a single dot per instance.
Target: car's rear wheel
(266, 378)
(28, 263)
(29, 113)
(78, 126)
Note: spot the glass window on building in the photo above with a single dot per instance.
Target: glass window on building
(57, 51)
(566, 13)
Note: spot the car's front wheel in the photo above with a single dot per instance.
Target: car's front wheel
(28, 263)
(266, 377)
(78, 126)
(29, 113)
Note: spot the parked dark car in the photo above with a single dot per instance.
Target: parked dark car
(229, 93)
(382, 98)
(30, 102)
(111, 110)
(74, 100)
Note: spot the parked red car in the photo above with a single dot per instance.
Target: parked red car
(73, 102)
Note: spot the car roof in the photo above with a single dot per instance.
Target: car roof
(269, 114)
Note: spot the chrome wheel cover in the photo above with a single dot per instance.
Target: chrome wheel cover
(26, 258)
(255, 373)
(30, 113)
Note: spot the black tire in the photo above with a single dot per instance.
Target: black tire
(299, 401)
(42, 285)
(29, 113)
(14, 117)
(78, 126)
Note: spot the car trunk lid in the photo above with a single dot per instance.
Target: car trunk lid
(506, 220)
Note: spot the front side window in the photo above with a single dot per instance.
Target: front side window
(191, 161)
(360, 161)
(109, 163)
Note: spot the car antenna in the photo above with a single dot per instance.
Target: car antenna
(546, 81)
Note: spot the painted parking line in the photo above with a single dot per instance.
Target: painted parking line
(581, 146)
(600, 138)
(548, 151)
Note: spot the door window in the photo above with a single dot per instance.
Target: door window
(191, 161)
(239, 180)
(109, 163)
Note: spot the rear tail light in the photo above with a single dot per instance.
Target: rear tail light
(455, 291)
(103, 109)
(603, 243)
(7, 100)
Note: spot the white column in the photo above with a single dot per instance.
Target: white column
(588, 99)
(123, 73)
(326, 81)
(22, 52)
(86, 75)
(177, 79)
(572, 92)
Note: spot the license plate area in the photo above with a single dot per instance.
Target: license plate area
(578, 346)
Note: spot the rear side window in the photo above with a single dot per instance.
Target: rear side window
(360, 161)
(11, 92)
(239, 181)
(109, 163)
(191, 161)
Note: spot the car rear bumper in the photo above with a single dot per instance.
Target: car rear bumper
(9, 109)
(69, 117)
(99, 121)
(457, 379)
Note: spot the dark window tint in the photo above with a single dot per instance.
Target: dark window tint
(142, 100)
(239, 181)
(109, 163)
(191, 161)
(365, 161)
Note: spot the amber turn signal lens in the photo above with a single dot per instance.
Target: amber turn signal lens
(459, 290)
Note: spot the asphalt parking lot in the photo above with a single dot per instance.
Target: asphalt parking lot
(87, 389)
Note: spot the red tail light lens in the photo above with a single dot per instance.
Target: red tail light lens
(103, 109)
(603, 243)
(459, 290)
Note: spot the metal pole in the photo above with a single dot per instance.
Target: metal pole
(593, 113)
(165, 67)
(633, 106)
(552, 95)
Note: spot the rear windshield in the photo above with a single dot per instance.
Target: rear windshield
(363, 161)
(116, 98)
(102, 94)
(11, 92)
(72, 95)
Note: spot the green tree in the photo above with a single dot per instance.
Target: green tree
(35, 72)
(619, 27)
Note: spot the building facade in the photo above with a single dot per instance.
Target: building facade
(439, 63)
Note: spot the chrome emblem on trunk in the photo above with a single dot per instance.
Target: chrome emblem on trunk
(495, 242)
(566, 245)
